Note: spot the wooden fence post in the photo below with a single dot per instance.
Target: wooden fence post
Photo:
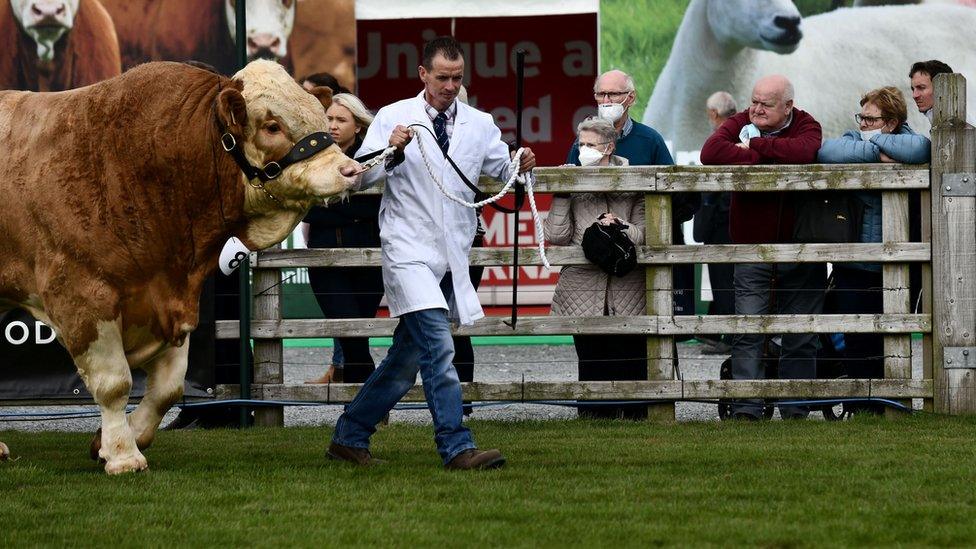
(660, 349)
(953, 177)
(268, 353)
(896, 297)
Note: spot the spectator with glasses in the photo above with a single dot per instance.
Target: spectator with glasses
(882, 136)
(641, 145)
(586, 290)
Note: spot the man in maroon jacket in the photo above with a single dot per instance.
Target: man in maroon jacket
(771, 131)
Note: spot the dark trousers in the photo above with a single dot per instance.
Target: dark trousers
(859, 291)
(612, 358)
(720, 275)
(350, 292)
(799, 289)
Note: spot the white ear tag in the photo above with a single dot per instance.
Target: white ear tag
(233, 254)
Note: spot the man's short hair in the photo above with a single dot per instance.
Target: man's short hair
(628, 81)
(931, 67)
(444, 45)
(325, 79)
(889, 101)
(722, 103)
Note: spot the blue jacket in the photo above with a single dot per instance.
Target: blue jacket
(905, 146)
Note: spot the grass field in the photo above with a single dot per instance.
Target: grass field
(636, 37)
(863, 482)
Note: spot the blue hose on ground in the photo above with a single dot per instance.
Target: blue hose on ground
(82, 414)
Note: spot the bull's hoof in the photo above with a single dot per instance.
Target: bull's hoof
(131, 464)
(96, 446)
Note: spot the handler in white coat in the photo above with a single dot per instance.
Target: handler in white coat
(425, 239)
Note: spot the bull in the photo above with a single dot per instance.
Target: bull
(205, 30)
(118, 199)
(54, 45)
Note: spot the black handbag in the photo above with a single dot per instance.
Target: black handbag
(609, 247)
(829, 217)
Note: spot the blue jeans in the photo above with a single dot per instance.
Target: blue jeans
(422, 341)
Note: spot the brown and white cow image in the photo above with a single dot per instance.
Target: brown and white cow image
(204, 30)
(117, 200)
(53, 45)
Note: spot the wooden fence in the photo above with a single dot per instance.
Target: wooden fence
(947, 319)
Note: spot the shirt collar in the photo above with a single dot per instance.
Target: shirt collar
(628, 126)
(789, 120)
(450, 111)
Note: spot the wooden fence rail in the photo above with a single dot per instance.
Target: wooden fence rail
(947, 253)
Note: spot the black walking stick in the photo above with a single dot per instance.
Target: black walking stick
(519, 187)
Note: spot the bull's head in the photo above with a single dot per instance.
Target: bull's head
(269, 24)
(267, 116)
(46, 21)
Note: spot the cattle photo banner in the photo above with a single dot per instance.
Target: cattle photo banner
(59, 45)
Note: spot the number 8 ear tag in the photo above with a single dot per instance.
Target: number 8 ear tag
(233, 254)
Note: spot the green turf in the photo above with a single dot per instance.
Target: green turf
(864, 482)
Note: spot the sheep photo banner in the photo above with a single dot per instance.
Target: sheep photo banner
(832, 56)
(58, 46)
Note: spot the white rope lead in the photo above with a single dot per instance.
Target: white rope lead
(526, 180)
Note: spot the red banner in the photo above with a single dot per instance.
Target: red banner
(559, 71)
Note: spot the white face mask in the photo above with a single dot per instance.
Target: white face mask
(610, 111)
(588, 156)
(868, 134)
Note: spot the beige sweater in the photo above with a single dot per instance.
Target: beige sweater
(585, 290)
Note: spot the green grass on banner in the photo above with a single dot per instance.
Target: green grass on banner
(636, 37)
(861, 483)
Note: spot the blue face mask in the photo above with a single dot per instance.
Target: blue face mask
(868, 134)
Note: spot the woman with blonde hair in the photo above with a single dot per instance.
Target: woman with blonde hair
(347, 292)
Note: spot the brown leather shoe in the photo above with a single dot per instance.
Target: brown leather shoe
(476, 459)
(359, 456)
(332, 375)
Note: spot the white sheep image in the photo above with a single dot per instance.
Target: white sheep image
(831, 58)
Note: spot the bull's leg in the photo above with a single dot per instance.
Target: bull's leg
(106, 373)
(164, 387)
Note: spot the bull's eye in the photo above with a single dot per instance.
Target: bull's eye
(273, 127)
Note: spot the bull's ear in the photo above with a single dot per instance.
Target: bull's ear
(323, 94)
(232, 111)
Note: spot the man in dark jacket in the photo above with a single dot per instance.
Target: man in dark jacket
(771, 131)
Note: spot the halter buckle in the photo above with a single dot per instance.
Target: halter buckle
(272, 170)
(228, 146)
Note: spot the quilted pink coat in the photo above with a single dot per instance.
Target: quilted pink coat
(585, 290)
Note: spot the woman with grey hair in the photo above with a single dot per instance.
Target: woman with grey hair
(346, 292)
(586, 290)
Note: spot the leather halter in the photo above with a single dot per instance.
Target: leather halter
(307, 147)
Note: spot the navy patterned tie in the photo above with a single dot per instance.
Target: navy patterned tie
(440, 130)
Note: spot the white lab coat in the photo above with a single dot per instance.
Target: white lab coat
(423, 233)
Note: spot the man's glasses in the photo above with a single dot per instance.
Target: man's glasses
(613, 96)
(870, 120)
(593, 145)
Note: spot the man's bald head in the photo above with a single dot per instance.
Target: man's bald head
(772, 102)
(616, 79)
